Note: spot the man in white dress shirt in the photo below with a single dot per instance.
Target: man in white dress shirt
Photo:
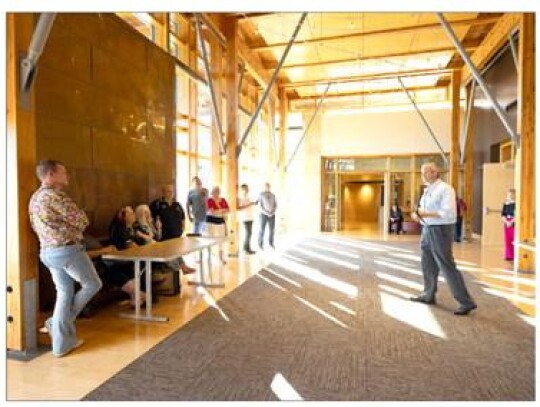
(437, 213)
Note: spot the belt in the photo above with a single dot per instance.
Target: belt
(70, 243)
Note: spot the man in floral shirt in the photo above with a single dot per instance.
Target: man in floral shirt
(59, 224)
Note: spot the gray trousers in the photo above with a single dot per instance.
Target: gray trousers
(436, 246)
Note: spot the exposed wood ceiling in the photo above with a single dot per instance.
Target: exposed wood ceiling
(363, 53)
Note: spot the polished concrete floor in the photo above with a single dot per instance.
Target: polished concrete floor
(112, 343)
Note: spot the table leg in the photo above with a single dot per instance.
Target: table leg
(210, 264)
(137, 315)
(201, 271)
(148, 289)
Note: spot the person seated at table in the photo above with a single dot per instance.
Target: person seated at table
(123, 236)
(145, 226)
(396, 219)
(168, 212)
(118, 274)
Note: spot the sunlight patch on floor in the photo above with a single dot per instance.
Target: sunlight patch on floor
(331, 249)
(342, 307)
(416, 315)
(342, 263)
(399, 280)
(321, 311)
(315, 275)
(281, 276)
(283, 389)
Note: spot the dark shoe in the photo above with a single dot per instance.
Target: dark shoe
(250, 251)
(423, 300)
(465, 309)
(272, 246)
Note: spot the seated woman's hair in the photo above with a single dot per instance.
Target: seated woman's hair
(140, 213)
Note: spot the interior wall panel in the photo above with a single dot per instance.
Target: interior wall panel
(105, 103)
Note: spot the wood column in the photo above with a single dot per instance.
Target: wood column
(22, 245)
(454, 129)
(282, 140)
(230, 30)
(468, 175)
(525, 160)
(193, 102)
(217, 75)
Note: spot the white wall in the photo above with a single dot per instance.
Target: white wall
(349, 135)
(383, 133)
(303, 183)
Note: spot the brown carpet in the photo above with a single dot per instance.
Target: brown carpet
(329, 321)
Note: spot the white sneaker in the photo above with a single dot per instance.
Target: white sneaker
(79, 343)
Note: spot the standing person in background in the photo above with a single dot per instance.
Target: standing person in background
(59, 225)
(437, 212)
(267, 206)
(167, 211)
(217, 209)
(507, 217)
(246, 216)
(196, 205)
(461, 207)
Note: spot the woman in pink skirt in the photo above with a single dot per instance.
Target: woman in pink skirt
(507, 216)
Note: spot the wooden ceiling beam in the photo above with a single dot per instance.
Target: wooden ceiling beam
(243, 16)
(397, 30)
(361, 78)
(374, 92)
(469, 47)
(255, 67)
(493, 41)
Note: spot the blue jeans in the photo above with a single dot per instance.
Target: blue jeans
(271, 220)
(198, 226)
(68, 264)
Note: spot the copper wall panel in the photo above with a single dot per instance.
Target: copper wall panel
(105, 107)
(68, 53)
(67, 139)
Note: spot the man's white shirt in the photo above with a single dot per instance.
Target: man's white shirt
(440, 198)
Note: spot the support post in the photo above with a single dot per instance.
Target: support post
(525, 157)
(21, 182)
(271, 83)
(231, 92)
(217, 80)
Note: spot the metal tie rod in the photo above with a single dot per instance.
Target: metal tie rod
(498, 109)
(270, 84)
(465, 134)
(321, 100)
(37, 43)
(423, 120)
(217, 119)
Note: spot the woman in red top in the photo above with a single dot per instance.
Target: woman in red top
(217, 209)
